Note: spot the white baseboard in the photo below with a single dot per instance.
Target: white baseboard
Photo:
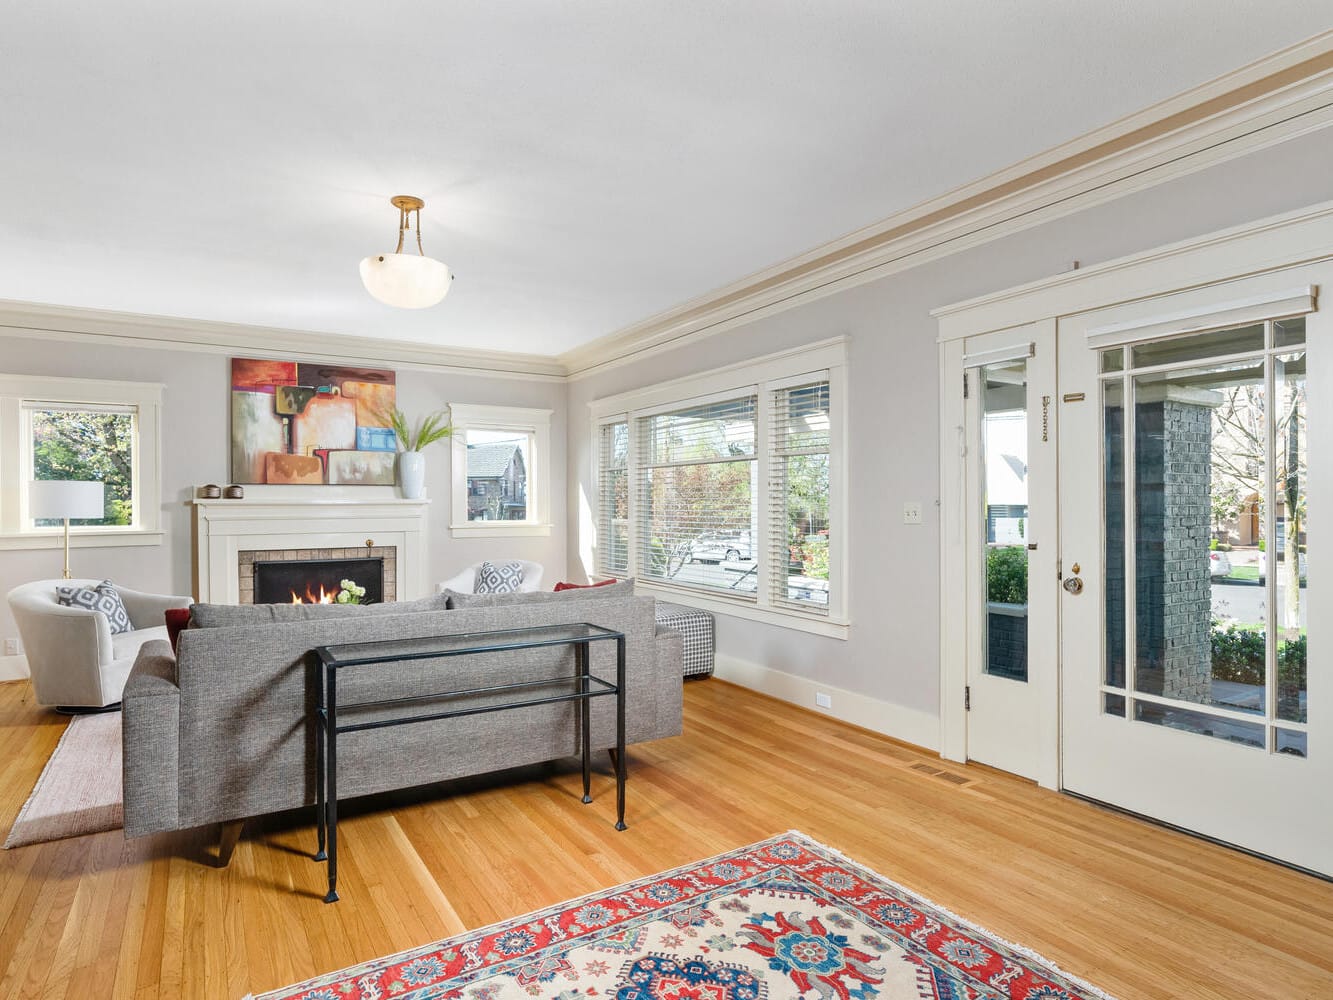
(13, 668)
(910, 725)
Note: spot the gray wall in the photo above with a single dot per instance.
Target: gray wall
(195, 450)
(893, 650)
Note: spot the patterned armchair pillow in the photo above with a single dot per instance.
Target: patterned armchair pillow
(101, 598)
(503, 579)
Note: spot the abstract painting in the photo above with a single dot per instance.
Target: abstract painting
(297, 423)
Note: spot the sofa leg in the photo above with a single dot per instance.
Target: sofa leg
(231, 833)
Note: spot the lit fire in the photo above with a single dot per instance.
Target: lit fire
(323, 597)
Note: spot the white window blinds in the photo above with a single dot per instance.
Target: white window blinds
(798, 496)
(695, 492)
(613, 499)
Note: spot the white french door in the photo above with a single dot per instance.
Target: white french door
(1009, 479)
(1196, 475)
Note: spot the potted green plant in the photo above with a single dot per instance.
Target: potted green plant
(411, 463)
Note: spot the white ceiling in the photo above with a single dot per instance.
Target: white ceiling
(584, 164)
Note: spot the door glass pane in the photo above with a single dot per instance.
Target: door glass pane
(1004, 465)
(1251, 734)
(1114, 499)
(1199, 610)
(1293, 743)
(1289, 332)
(1289, 556)
(1199, 346)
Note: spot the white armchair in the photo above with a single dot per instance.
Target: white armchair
(74, 659)
(466, 581)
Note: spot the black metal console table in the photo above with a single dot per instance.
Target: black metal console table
(581, 686)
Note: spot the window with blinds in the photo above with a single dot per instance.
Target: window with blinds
(613, 499)
(732, 500)
(696, 492)
(798, 496)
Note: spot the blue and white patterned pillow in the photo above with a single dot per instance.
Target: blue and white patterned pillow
(503, 579)
(101, 598)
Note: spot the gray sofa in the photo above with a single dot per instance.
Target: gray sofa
(221, 731)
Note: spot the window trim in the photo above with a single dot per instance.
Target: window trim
(526, 420)
(145, 397)
(761, 375)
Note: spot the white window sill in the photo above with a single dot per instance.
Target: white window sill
(499, 529)
(814, 624)
(81, 539)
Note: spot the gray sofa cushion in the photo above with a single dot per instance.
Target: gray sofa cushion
(226, 615)
(612, 591)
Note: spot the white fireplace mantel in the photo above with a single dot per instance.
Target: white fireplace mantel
(225, 528)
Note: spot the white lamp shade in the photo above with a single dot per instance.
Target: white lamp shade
(406, 280)
(59, 498)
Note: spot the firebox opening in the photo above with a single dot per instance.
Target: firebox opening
(316, 581)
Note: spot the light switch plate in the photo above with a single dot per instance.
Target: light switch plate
(11, 647)
(912, 512)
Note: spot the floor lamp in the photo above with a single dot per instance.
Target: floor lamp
(65, 498)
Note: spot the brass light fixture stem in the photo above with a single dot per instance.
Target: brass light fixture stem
(406, 205)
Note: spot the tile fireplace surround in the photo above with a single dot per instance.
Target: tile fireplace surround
(231, 535)
(247, 558)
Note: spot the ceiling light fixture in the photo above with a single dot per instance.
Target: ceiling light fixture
(405, 280)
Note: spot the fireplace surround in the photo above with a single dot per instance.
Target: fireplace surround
(232, 535)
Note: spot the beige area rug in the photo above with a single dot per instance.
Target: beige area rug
(79, 791)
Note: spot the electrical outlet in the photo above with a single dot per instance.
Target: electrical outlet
(823, 700)
(912, 512)
(11, 647)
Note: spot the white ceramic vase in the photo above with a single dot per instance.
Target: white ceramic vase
(412, 474)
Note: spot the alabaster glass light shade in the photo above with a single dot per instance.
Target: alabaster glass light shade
(408, 281)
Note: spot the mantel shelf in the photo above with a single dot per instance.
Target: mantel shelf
(298, 502)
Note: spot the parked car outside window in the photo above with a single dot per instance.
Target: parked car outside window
(720, 546)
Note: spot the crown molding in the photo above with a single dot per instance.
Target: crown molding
(1272, 100)
(68, 323)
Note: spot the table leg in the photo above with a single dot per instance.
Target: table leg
(620, 733)
(321, 720)
(581, 661)
(332, 736)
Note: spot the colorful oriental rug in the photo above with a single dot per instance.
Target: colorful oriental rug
(782, 919)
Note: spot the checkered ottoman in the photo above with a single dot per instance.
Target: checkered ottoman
(697, 628)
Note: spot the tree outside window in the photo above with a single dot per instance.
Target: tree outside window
(87, 444)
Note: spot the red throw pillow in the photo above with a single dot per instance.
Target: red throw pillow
(583, 586)
(177, 620)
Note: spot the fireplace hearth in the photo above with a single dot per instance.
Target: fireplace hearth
(316, 581)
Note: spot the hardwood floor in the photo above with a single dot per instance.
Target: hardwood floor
(1140, 911)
